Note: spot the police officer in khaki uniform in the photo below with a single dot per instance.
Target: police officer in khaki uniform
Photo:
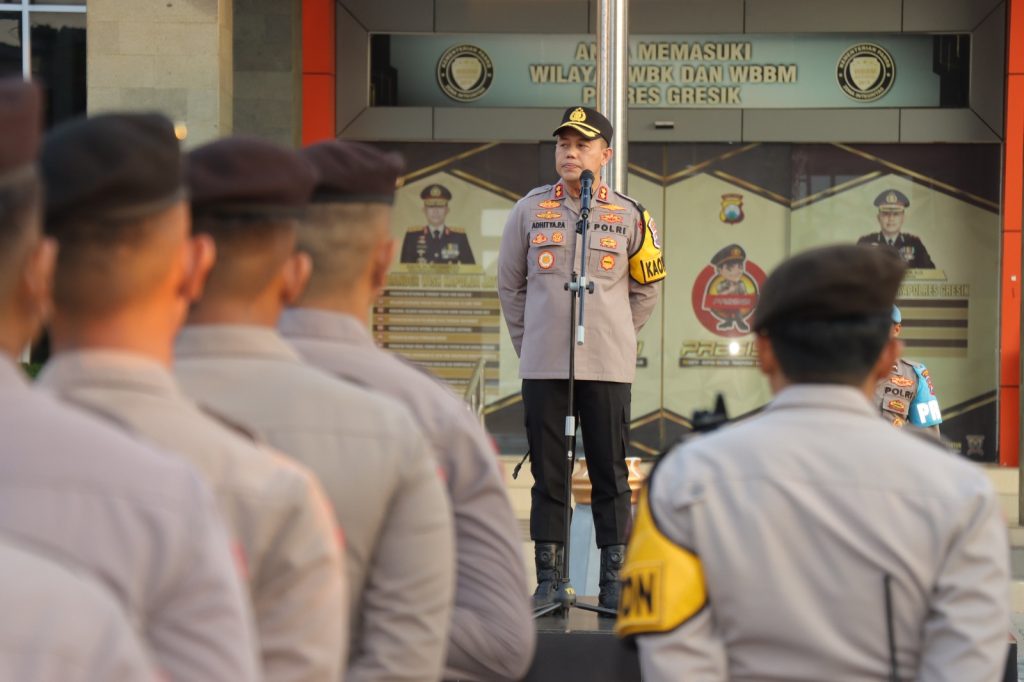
(366, 449)
(906, 395)
(539, 250)
(141, 522)
(813, 541)
(61, 626)
(436, 242)
(347, 234)
(127, 273)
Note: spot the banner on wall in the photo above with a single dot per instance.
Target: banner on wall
(669, 71)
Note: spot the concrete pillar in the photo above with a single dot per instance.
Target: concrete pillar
(268, 69)
(172, 56)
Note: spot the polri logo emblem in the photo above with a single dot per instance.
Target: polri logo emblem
(732, 209)
(866, 72)
(465, 72)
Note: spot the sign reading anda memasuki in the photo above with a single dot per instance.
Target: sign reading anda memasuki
(748, 71)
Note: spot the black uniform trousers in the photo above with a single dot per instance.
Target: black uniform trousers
(602, 412)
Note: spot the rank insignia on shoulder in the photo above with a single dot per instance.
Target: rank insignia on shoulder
(559, 191)
(546, 260)
(897, 406)
(902, 382)
(549, 215)
(609, 243)
(613, 207)
(611, 218)
(539, 239)
(662, 583)
(557, 237)
(607, 262)
(549, 203)
(602, 194)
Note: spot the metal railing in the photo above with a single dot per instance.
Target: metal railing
(474, 395)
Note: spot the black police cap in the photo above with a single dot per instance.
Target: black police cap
(435, 195)
(892, 199)
(249, 176)
(122, 166)
(354, 172)
(733, 252)
(830, 283)
(587, 122)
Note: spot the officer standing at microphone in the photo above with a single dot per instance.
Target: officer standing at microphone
(539, 251)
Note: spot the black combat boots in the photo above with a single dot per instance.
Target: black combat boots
(611, 561)
(547, 557)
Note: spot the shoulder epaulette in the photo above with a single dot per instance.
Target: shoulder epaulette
(538, 190)
(414, 229)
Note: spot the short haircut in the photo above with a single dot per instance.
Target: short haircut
(250, 251)
(20, 208)
(102, 265)
(839, 351)
(340, 237)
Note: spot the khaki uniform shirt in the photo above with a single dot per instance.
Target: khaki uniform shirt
(279, 517)
(492, 633)
(539, 251)
(796, 515)
(906, 398)
(141, 522)
(61, 626)
(385, 488)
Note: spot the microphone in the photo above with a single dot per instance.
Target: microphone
(586, 190)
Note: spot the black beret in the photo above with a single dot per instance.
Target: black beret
(21, 123)
(111, 167)
(732, 252)
(248, 176)
(587, 122)
(892, 198)
(354, 172)
(829, 283)
(435, 195)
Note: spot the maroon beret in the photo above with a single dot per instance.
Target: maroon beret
(831, 283)
(21, 123)
(248, 176)
(354, 172)
(111, 167)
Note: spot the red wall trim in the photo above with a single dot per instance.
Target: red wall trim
(1010, 283)
(318, 71)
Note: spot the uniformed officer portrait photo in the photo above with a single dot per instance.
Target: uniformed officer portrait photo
(892, 207)
(436, 242)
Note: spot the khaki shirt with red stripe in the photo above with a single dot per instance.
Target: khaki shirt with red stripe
(540, 249)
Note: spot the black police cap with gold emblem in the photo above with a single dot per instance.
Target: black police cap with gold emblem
(733, 252)
(830, 283)
(21, 121)
(892, 199)
(354, 172)
(587, 122)
(248, 176)
(435, 195)
(111, 167)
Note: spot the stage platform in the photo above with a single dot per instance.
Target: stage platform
(582, 648)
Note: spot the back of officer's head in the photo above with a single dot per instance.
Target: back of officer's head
(26, 259)
(827, 313)
(348, 228)
(249, 195)
(115, 201)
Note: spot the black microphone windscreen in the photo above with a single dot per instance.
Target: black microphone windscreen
(587, 176)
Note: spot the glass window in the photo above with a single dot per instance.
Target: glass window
(10, 43)
(58, 62)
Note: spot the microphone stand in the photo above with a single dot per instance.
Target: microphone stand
(564, 596)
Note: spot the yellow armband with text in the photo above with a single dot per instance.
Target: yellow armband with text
(646, 264)
(662, 583)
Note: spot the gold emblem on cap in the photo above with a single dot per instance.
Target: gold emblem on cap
(435, 191)
(578, 115)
